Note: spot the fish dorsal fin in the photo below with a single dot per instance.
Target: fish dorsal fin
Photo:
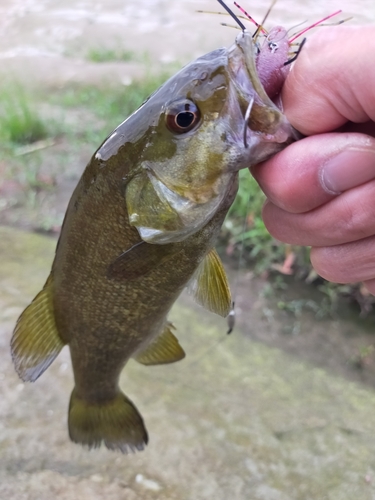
(164, 349)
(139, 260)
(36, 341)
(210, 287)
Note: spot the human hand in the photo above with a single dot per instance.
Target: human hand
(321, 189)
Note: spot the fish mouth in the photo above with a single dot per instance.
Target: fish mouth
(261, 115)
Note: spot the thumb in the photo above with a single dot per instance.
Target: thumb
(332, 81)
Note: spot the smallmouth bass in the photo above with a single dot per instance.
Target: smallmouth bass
(141, 224)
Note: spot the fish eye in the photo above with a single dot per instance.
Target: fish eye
(182, 116)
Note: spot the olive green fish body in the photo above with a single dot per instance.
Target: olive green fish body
(124, 310)
(140, 226)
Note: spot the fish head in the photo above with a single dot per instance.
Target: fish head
(190, 139)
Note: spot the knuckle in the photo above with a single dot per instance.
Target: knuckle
(352, 221)
(329, 263)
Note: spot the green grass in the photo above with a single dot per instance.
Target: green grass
(244, 226)
(103, 54)
(111, 106)
(20, 121)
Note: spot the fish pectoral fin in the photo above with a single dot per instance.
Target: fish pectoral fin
(115, 422)
(210, 287)
(36, 342)
(164, 349)
(139, 260)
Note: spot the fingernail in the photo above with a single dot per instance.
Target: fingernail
(348, 169)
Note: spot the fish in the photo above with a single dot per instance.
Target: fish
(141, 226)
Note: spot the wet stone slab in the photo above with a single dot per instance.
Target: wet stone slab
(239, 421)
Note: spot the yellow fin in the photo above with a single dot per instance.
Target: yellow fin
(116, 422)
(36, 341)
(164, 349)
(210, 287)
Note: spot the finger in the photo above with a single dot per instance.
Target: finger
(370, 285)
(332, 81)
(314, 170)
(346, 218)
(347, 263)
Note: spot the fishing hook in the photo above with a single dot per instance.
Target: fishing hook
(246, 122)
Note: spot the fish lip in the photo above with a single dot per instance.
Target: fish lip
(242, 66)
(244, 42)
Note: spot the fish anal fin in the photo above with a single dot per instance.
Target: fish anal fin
(210, 287)
(36, 342)
(117, 423)
(164, 349)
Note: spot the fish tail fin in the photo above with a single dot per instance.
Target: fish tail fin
(116, 422)
(36, 341)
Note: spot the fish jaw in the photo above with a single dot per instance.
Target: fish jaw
(268, 130)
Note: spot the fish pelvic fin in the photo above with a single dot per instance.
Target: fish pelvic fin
(210, 287)
(162, 350)
(36, 342)
(117, 423)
